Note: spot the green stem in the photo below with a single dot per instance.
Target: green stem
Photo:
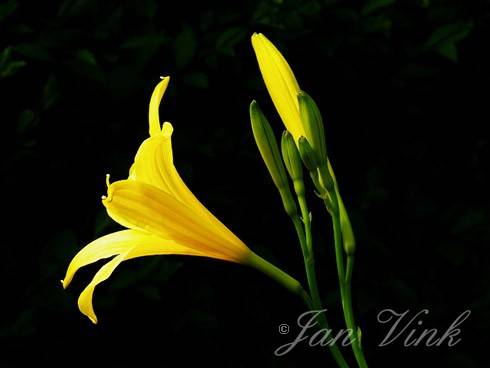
(295, 287)
(345, 284)
(277, 274)
(306, 242)
(350, 267)
(305, 215)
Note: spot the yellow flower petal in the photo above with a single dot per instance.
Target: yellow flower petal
(154, 165)
(280, 82)
(85, 299)
(156, 98)
(149, 164)
(105, 247)
(138, 205)
(143, 245)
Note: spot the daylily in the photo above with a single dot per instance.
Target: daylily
(161, 215)
(280, 82)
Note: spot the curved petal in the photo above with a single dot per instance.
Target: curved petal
(105, 247)
(155, 100)
(154, 165)
(85, 299)
(148, 165)
(280, 82)
(149, 246)
(138, 205)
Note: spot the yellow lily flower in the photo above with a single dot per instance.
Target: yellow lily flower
(280, 82)
(162, 216)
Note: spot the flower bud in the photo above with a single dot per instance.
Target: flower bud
(313, 125)
(269, 150)
(326, 178)
(349, 241)
(307, 154)
(292, 160)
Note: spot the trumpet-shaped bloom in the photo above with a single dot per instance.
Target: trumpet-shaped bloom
(280, 82)
(161, 215)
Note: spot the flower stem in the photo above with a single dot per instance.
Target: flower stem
(277, 274)
(306, 242)
(345, 284)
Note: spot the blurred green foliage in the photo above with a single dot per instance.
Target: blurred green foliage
(402, 88)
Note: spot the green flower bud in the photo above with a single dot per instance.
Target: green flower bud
(348, 238)
(310, 160)
(313, 124)
(307, 154)
(269, 150)
(326, 178)
(292, 161)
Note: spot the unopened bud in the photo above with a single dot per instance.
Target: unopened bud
(326, 178)
(313, 124)
(349, 241)
(269, 150)
(292, 160)
(307, 154)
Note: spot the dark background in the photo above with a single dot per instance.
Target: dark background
(403, 87)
